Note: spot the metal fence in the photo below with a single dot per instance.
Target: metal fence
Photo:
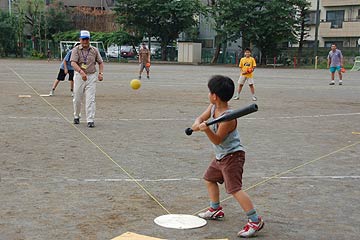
(285, 57)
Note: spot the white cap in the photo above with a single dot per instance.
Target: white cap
(84, 34)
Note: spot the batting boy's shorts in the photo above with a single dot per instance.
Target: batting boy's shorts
(228, 170)
(61, 75)
(334, 69)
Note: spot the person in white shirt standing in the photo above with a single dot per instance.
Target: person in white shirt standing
(83, 59)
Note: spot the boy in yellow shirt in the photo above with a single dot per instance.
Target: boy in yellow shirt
(247, 66)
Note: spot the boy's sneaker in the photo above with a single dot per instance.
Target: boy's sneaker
(254, 98)
(236, 97)
(251, 228)
(340, 82)
(332, 83)
(51, 93)
(72, 94)
(212, 214)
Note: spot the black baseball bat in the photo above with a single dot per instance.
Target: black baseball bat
(230, 116)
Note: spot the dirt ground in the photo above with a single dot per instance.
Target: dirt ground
(61, 181)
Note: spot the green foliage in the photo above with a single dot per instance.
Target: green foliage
(302, 26)
(36, 54)
(119, 37)
(302, 23)
(58, 19)
(32, 14)
(162, 19)
(8, 34)
(265, 23)
(66, 36)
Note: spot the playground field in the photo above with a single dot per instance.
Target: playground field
(64, 181)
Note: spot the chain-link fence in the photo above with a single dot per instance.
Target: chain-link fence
(285, 58)
(229, 57)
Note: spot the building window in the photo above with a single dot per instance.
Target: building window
(311, 18)
(339, 44)
(336, 18)
(309, 43)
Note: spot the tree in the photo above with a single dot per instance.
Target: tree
(232, 19)
(31, 13)
(19, 25)
(58, 19)
(264, 23)
(119, 37)
(8, 34)
(302, 26)
(162, 19)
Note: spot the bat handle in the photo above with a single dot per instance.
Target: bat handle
(188, 131)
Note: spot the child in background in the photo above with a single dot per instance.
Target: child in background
(65, 68)
(247, 66)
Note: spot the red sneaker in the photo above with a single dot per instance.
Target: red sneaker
(212, 214)
(251, 228)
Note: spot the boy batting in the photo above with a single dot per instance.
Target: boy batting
(227, 166)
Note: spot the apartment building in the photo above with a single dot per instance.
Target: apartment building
(207, 32)
(339, 23)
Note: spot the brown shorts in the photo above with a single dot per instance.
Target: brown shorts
(229, 170)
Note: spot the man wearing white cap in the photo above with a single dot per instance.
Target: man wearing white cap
(83, 59)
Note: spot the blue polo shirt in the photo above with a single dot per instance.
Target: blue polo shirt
(68, 62)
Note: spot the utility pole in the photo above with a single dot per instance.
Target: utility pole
(9, 6)
(317, 28)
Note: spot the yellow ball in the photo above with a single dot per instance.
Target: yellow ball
(135, 84)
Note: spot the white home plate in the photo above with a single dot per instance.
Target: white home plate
(180, 221)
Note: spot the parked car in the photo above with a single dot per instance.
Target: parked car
(113, 51)
(128, 51)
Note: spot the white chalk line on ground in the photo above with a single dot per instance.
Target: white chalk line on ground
(281, 174)
(277, 176)
(190, 119)
(92, 142)
(104, 180)
(200, 179)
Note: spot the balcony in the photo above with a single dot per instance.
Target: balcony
(347, 28)
(337, 3)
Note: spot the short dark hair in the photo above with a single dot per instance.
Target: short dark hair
(222, 86)
(247, 49)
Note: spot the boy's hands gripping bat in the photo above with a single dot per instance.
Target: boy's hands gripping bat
(229, 116)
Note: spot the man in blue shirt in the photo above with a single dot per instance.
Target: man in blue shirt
(65, 68)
